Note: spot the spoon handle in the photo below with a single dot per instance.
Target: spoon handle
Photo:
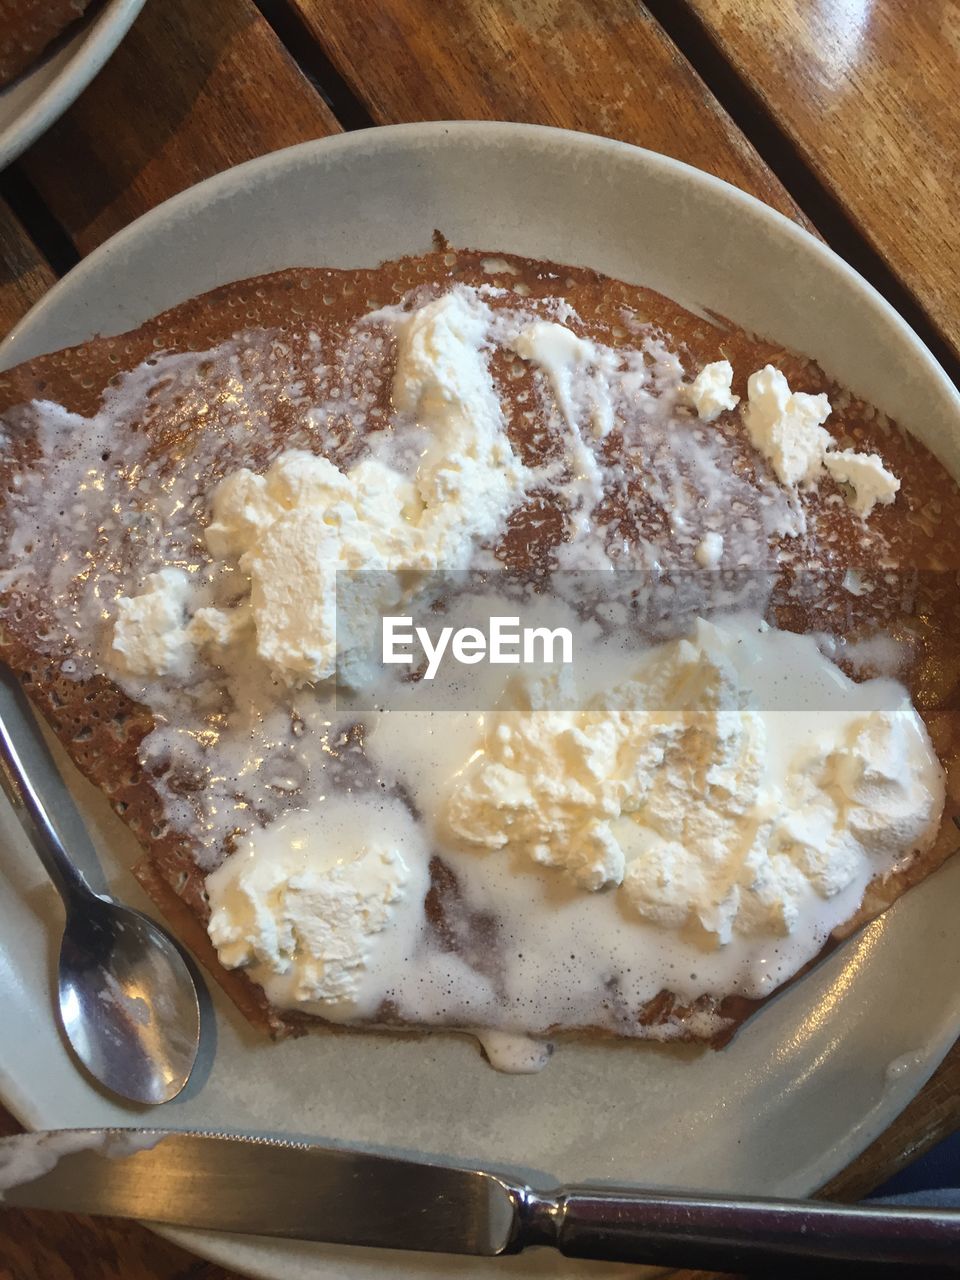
(25, 758)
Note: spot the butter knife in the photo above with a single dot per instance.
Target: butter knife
(274, 1188)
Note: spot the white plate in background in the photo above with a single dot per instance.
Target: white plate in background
(824, 1068)
(35, 99)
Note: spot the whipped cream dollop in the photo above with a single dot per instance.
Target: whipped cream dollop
(294, 528)
(710, 392)
(468, 477)
(870, 480)
(149, 635)
(709, 550)
(706, 801)
(787, 428)
(316, 907)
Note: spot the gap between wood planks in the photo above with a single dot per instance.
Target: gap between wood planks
(50, 239)
(312, 59)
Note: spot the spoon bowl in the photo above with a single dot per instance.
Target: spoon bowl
(127, 1001)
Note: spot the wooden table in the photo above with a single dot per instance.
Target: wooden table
(841, 115)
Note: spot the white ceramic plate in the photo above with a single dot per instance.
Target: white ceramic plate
(823, 1069)
(31, 104)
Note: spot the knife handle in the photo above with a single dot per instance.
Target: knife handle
(742, 1235)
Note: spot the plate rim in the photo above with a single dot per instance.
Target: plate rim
(227, 180)
(96, 42)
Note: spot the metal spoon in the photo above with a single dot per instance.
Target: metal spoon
(128, 1003)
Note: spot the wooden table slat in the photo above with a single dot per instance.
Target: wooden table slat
(867, 93)
(193, 89)
(604, 66)
(25, 276)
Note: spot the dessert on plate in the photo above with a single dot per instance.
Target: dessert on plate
(212, 522)
(28, 27)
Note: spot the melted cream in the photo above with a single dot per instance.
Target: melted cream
(565, 944)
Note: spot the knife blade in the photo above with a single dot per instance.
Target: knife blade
(258, 1186)
(262, 1186)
